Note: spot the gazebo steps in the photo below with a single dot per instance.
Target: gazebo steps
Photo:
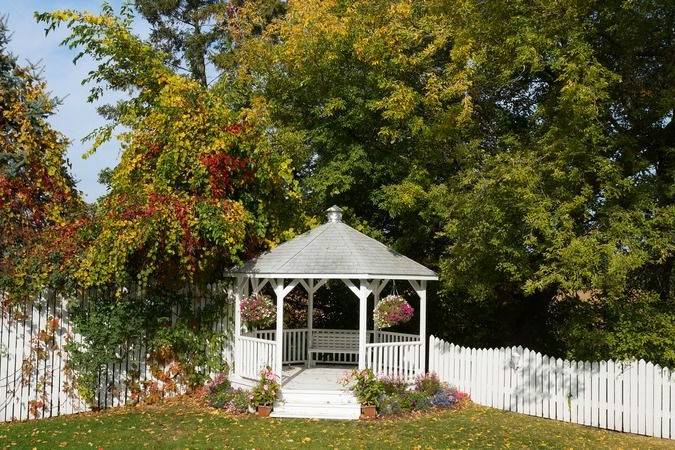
(315, 404)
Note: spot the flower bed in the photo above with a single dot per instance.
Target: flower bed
(392, 310)
(219, 394)
(393, 395)
(427, 392)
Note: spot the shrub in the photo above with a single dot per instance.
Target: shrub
(414, 401)
(428, 383)
(389, 404)
(231, 400)
(393, 385)
(239, 401)
(367, 388)
(406, 401)
(267, 390)
(219, 383)
(443, 400)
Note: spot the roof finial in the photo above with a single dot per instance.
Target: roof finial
(334, 214)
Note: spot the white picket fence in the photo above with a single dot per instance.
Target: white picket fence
(635, 397)
(35, 381)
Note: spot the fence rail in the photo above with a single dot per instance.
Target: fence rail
(636, 397)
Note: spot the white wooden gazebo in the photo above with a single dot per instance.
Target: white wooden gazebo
(332, 251)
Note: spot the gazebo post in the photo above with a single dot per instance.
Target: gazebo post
(279, 292)
(238, 288)
(363, 323)
(310, 316)
(376, 331)
(422, 292)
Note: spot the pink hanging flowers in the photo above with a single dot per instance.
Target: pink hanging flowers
(392, 310)
(257, 310)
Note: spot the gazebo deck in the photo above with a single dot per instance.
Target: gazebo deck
(299, 377)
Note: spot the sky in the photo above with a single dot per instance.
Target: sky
(75, 118)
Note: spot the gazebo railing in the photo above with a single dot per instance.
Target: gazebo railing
(254, 355)
(387, 352)
(395, 359)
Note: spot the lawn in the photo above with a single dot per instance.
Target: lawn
(181, 423)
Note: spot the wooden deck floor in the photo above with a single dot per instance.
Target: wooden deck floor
(316, 378)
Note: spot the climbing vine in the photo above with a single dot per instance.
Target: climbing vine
(175, 334)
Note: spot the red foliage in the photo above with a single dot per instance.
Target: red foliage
(226, 172)
(235, 128)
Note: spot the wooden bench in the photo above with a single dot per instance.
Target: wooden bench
(343, 344)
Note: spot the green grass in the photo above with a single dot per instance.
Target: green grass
(183, 424)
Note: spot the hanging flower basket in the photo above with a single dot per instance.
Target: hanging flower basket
(257, 311)
(392, 310)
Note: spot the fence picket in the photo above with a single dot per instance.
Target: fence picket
(649, 399)
(634, 398)
(611, 389)
(657, 430)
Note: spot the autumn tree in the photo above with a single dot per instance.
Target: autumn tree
(41, 212)
(198, 186)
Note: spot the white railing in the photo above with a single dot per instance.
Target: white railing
(636, 396)
(295, 346)
(381, 337)
(297, 343)
(254, 355)
(395, 359)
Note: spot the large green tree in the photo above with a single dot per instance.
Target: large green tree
(192, 33)
(525, 149)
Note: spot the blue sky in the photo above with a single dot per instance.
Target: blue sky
(75, 118)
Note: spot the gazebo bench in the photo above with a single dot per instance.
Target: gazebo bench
(340, 342)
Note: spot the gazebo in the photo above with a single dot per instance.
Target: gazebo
(332, 251)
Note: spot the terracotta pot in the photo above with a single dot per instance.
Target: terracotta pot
(368, 411)
(264, 411)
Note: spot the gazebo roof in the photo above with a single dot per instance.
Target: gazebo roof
(334, 250)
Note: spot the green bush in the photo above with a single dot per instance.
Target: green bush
(389, 404)
(402, 402)
(367, 388)
(231, 400)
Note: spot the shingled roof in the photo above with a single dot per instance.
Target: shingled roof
(334, 250)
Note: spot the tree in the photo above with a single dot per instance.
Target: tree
(198, 186)
(192, 32)
(524, 149)
(41, 212)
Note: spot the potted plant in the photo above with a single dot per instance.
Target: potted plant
(257, 310)
(367, 388)
(392, 310)
(266, 392)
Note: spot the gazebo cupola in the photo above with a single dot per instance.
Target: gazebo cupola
(330, 251)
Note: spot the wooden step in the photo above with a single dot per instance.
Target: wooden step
(315, 404)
